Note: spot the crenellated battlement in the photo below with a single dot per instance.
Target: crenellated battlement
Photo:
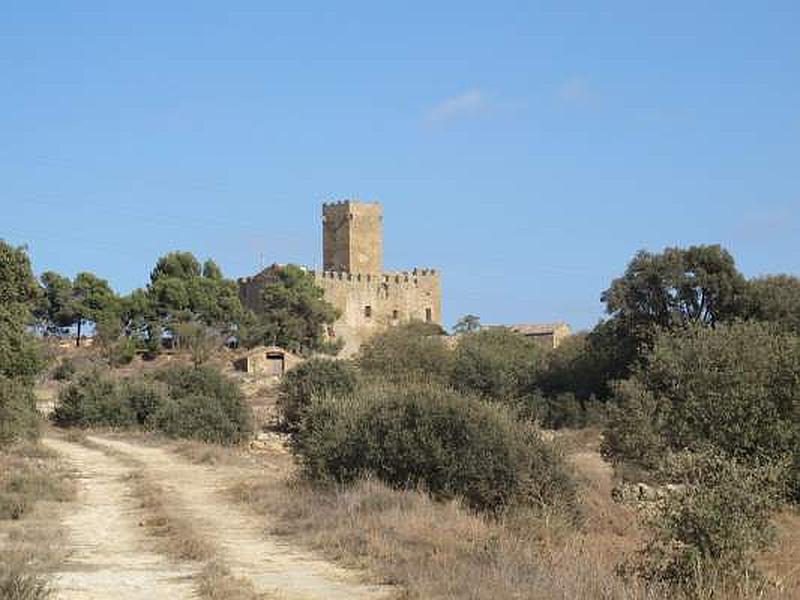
(414, 277)
(348, 202)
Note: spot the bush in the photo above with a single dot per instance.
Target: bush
(496, 363)
(182, 402)
(408, 352)
(707, 531)
(19, 419)
(633, 433)
(123, 352)
(201, 418)
(65, 370)
(733, 389)
(204, 405)
(428, 435)
(579, 365)
(92, 400)
(315, 377)
(145, 398)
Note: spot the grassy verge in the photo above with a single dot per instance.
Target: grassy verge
(32, 484)
(438, 550)
(175, 536)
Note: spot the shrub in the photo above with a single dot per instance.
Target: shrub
(181, 401)
(65, 370)
(316, 377)
(92, 400)
(708, 529)
(412, 351)
(19, 419)
(496, 363)
(561, 411)
(204, 405)
(145, 398)
(579, 365)
(734, 388)
(201, 418)
(428, 435)
(123, 352)
(633, 430)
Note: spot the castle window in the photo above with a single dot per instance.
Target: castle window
(428, 315)
(395, 314)
(367, 311)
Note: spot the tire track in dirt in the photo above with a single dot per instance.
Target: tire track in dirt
(272, 566)
(108, 555)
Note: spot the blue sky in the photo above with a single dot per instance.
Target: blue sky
(527, 149)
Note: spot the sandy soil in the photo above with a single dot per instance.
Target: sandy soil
(111, 559)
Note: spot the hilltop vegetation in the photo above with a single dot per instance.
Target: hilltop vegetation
(692, 379)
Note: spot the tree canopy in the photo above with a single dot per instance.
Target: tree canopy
(776, 299)
(678, 286)
(467, 324)
(293, 311)
(182, 292)
(19, 354)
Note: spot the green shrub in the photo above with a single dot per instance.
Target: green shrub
(561, 411)
(415, 351)
(123, 352)
(734, 389)
(19, 419)
(93, 399)
(632, 434)
(201, 418)
(707, 530)
(428, 435)
(315, 377)
(65, 370)
(181, 401)
(145, 398)
(496, 364)
(204, 393)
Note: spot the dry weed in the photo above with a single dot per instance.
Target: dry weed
(216, 582)
(175, 536)
(32, 483)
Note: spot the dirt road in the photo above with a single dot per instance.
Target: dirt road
(108, 555)
(111, 558)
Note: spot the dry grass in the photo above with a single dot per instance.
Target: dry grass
(29, 474)
(32, 485)
(216, 582)
(201, 453)
(434, 550)
(440, 550)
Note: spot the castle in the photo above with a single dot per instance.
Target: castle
(369, 299)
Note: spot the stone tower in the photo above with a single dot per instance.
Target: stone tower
(352, 237)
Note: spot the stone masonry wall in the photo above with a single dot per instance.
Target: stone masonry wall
(373, 303)
(352, 237)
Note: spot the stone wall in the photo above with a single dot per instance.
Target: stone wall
(373, 303)
(352, 237)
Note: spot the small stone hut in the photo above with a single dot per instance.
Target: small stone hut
(269, 361)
